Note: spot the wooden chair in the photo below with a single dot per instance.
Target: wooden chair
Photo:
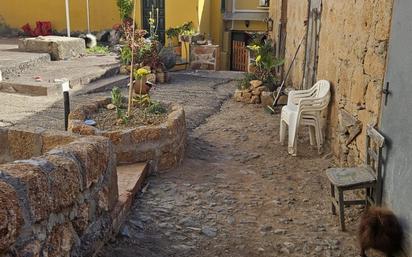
(367, 177)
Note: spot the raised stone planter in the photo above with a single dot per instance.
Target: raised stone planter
(163, 144)
(59, 48)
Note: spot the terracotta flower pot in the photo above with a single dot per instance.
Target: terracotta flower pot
(162, 77)
(140, 86)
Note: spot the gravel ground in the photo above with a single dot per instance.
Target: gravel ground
(238, 193)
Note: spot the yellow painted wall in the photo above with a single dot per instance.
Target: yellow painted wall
(104, 13)
(181, 11)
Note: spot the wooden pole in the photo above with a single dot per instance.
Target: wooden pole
(129, 106)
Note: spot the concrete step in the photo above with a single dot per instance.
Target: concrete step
(79, 72)
(14, 63)
(130, 180)
(102, 85)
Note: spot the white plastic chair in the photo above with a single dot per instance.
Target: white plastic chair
(305, 108)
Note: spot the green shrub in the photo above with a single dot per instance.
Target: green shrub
(126, 55)
(244, 83)
(156, 108)
(99, 49)
(125, 8)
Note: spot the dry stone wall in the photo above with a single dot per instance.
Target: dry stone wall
(59, 203)
(24, 142)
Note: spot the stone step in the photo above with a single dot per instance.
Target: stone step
(130, 180)
(14, 63)
(79, 72)
(102, 85)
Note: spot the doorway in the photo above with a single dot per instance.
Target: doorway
(396, 122)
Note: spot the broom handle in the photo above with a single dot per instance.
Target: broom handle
(287, 73)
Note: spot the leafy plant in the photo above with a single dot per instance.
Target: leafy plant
(117, 101)
(99, 49)
(142, 100)
(185, 29)
(125, 8)
(153, 23)
(117, 98)
(156, 108)
(265, 62)
(172, 32)
(126, 55)
(245, 82)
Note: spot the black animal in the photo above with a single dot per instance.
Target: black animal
(380, 230)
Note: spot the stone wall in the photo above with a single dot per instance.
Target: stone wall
(163, 144)
(59, 203)
(23, 142)
(204, 57)
(297, 13)
(352, 55)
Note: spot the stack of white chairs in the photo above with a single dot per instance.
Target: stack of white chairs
(305, 108)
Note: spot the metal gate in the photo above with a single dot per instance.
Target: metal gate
(396, 121)
(148, 5)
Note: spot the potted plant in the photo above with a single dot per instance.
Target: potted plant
(140, 83)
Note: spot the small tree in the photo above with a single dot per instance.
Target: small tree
(125, 8)
(265, 63)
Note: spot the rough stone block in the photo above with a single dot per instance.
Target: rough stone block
(238, 95)
(60, 241)
(59, 48)
(65, 181)
(255, 99)
(52, 139)
(4, 146)
(33, 182)
(25, 143)
(146, 133)
(81, 222)
(93, 153)
(11, 218)
(266, 98)
(255, 84)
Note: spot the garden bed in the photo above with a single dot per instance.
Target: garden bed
(107, 119)
(163, 142)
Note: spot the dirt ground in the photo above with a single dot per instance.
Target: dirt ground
(238, 193)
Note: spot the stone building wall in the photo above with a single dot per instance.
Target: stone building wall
(352, 55)
(297, 13)
(353, 46)
(59, 203)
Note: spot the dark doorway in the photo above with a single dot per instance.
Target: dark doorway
(147, 7)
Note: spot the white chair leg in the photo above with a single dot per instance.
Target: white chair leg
(319, 136)
(292, 142)
(312, 135)
(282, 132)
